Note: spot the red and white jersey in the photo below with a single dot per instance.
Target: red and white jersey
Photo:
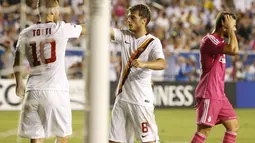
(44, 45)
(137, 88)
(213, 62)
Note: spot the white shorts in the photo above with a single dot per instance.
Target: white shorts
(45, 114)
(129, 119)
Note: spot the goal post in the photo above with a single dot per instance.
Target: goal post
(97, 78)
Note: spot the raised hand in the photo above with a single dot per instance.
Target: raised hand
(229, 22)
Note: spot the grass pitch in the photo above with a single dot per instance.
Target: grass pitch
(175, 126)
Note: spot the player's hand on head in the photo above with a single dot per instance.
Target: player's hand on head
(229, 22)
(138, 64)
(20, 89)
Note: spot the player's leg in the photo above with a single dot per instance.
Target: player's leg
(56, 114)
(113, 141)
(36, 140)
(117, 133)
(130, 133)
(201, 133)
(143, 121)
(231, 131)
(61, 140)
(157, 136)
(207, 111)
(130, 136)
(228, 119)
(30, 124)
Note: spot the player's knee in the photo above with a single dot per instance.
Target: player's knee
(231, 125)
(205, 132)
(62, 139)
(203, 129)
(37, 140)
(150, 142)
(112, 142)
(234, 128)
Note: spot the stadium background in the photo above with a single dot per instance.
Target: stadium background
(180, 25)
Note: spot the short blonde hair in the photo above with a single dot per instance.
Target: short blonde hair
(47, 3)
(46, 6)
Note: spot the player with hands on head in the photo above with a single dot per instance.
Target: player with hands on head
(213, 107)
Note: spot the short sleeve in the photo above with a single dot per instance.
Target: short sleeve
(213, 45)
(72, 30)
(21, 44)
(119, 34)
(157, 50)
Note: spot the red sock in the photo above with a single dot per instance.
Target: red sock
(229, 137)
(198, 138)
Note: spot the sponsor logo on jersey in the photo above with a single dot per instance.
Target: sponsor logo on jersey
(147, 101)
(127, 42)
(74, 25)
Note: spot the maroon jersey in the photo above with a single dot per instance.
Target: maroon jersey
(211, 84)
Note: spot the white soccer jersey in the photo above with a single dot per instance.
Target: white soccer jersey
(44, 46)
(137, 87)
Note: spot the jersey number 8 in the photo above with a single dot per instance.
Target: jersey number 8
(144, 127)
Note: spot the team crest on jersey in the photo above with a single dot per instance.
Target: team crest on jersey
(74, 25)
(209, 119)
(222, 59)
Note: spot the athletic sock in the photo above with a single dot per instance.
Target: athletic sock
(229, 137)
(198, 138)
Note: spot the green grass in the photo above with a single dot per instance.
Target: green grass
(175, 126)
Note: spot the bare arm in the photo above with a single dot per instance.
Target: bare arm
(158, 64)
(84, 29)
(232, 47)
(111, 33)
(17, 67)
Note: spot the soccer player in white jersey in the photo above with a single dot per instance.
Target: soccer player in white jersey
(141, 52)
(46, 108)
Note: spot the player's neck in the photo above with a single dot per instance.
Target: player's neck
(141, 32)
(47, 18)
(218, 33)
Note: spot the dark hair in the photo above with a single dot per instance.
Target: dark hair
(221, 18)
(144, 11)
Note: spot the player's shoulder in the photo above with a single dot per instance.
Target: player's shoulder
(60, 24)
(211, 39)
(27, 29)
(63, 23)
(125, 32)
(152, 36)
(24, 32)
(155, 39)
